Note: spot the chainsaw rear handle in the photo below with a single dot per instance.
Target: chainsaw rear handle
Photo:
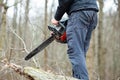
(60, 24)
(57, 30)
(62, 28)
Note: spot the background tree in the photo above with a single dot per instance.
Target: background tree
(101, 53)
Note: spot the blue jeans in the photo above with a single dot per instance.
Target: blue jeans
(79, 29)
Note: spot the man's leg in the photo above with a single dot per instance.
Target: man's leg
(92, 26)
(77, 30)
(76, 34)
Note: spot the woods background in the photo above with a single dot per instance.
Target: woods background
(23, 26)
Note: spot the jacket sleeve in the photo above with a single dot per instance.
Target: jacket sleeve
(64, 5)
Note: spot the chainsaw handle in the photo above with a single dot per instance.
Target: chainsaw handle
(61, 25)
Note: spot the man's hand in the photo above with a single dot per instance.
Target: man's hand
(54, 21)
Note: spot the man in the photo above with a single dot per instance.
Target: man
(82, 21)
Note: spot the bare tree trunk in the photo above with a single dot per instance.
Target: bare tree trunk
(119, 8)
(95, 51)
(117, 45)
(51, 11)
(101, 53)
(45, 33)
(0, 14)
(26, 27)
(118, 41)
(3, 28)
(12, 42)
(19, 26)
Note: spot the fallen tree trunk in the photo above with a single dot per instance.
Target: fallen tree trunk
(35, 74)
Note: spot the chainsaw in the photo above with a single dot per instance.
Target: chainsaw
(58, 34)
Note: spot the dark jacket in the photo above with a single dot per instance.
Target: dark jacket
(70, 6)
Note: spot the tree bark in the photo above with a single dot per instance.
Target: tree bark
(35, 74)
(45, 33)
(3, 26)
(101, 54)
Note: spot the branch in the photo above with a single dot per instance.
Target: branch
(15, 4)
(25, 48)
(115, 2)
(6, 6)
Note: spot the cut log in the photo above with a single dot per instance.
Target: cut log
(38, 74)
(35, 74)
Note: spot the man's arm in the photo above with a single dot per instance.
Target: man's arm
(64, 5)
